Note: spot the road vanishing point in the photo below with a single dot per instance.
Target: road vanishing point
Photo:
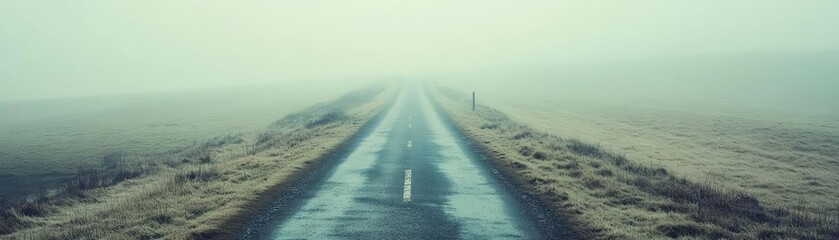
(408, 175)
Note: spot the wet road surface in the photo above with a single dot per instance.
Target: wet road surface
(408, 176)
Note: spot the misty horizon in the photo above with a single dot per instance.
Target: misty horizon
(92, 48)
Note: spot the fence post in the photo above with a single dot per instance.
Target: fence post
(473, 101)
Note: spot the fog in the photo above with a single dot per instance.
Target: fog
(629, 119)
(796, 83)
(53, 49)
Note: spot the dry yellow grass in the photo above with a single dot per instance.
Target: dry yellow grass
(140, 125)
(609, 196)
(788, 161)
(203, 200)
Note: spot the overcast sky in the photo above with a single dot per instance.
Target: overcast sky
(77, 48)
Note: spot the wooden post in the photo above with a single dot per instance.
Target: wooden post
(473, 101)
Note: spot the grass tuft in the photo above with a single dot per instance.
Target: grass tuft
(525, 151)
(522, 135)
(327, 118)
(584, 149)
(200, 174)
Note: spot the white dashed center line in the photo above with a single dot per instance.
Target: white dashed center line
(406, 193)
(409, 143)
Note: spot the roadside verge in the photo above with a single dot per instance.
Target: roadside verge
(207, 191)
(605, 195)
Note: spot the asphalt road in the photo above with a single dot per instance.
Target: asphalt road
(410, 175)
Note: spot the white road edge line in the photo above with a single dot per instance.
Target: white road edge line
(406, 193)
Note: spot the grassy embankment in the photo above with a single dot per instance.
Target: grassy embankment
(43, 143)
(782, 158)
(607, 195)
(202, 192)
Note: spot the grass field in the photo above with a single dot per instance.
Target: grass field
(206, 191)
(608, 195)
(44, 142)
(786, 161)
(627, 153)
(748, 122)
